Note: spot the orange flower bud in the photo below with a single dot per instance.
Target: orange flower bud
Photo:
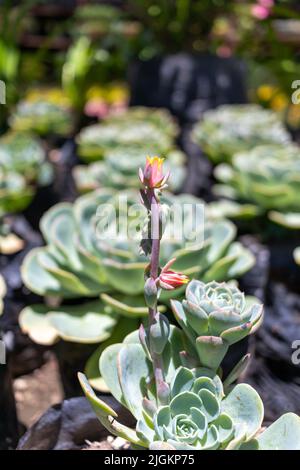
(152, 176)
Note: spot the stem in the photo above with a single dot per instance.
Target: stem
(154, 267)
(155, 236)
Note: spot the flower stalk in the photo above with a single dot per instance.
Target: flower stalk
(161, 385)
(155, 336)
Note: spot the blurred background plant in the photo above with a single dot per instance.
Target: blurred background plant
(267, 176)
(23, 168)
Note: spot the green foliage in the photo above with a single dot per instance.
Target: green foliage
(237, 128)
(268, 178)
(80, 59)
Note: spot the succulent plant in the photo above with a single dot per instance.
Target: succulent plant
(72, 265)
(199, 412)
(237, 128)
(159, 117)
(43, 112)
(23, 167)
(215, 316)
(147, 131)
(75, 263)
(266, 177)
(119, 170)
(170, 378)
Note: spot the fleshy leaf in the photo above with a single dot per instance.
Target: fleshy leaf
(284, 434)
(245, 408)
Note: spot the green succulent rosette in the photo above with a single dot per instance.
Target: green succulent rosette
(105, 272)
(136, 115)
(215, 316)
(266, 177)
(237, 128)
(199, 413)
(119, 170)
(95, 141)
(43, 112)
(23, 167)
(81, 259)
(144, 130)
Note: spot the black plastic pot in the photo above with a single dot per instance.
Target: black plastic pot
(283, 267)
(187, 84)
(72, 358)
(273, 372)
(68, 425)
(255, 281)
(25, 355)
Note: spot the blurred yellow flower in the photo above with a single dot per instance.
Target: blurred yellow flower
(266, 92)
(279, 102)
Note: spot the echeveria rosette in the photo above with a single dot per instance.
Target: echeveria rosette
(75, 263)
(120, 167)
(158, 117)
(234, 128)
(23, 167)
(266, 177)
(72, 265)
(215, 316)
(43, 112)
(199, 414)
(139, 130)
(98, 140)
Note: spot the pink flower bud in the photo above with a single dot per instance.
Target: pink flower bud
(170, 280)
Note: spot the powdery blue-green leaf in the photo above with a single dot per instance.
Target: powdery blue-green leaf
(245, 408)
(92, 368)
(183, 402)
(86, 323)
(182, 381)
(283, 434)
(133, 369)
(107, 416)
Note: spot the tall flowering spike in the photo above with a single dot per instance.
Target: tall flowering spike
(152, 177)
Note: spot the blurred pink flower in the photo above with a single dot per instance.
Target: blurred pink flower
(260, 12)
(96, 108)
